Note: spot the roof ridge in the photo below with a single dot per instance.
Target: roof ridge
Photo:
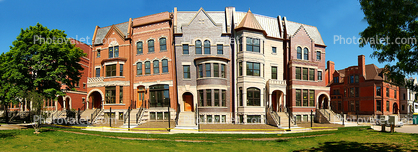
(307, 33)
(112, 25)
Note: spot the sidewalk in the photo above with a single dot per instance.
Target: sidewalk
(404, 129)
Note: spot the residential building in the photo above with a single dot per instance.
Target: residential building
(363, 90)
(407, 98)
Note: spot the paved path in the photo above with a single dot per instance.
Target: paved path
(403, 129)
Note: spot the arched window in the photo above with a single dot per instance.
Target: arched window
(198, 47)
(139, 68)
(305, 54)
(207, 47)
(165, 66)
(148, 67)
(299, 53)
(159, 95)
(139, 48)
(150, 46)
(163, 46)
(253, 97)
(156, 65)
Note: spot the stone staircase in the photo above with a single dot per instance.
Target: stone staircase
(284, 120)
(328, 116)
(186, 121)
(86, 115)
(132, 117)
(100, 117)
(335, 118)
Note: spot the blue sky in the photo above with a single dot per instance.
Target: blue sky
(79, 18)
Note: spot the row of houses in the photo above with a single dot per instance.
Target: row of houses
(221, 67)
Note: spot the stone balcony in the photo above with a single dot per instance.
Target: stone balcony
(95, 79)
(276, 82)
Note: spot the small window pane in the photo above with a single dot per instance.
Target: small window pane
(220, 49)
(156, 65)
(198, 47)
(185, 49)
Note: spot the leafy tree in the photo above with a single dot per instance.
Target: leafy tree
(396, 22)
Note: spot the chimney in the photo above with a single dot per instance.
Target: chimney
(362, 65)
(331, 69)
(175, 20)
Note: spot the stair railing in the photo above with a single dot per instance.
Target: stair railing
(94, 115)
(139, 114)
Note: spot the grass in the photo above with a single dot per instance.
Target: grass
(344, 139)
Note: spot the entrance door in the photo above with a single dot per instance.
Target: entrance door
(274, 101)
(188, 102)
(140, 99)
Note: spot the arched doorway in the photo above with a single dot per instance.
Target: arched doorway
(323, 101)
(395, 108)
(188, 101)
(96, 100)
(141, 96)
(67, 103)
(277, 101)
(60, 104)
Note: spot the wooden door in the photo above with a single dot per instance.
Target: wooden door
(140, 99)
(188, 102)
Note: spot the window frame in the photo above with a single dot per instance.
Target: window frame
(305, 53)
(216, 70)
(140, 48)
(120, 69)
(252, 99)
(111, 72)
(164, 65)
(147, 70)
(274, 72)
(206, 46)
(186, 71)
(186, 51)
(319, 75)
(151, 44)
(220, 49)
(318, 55)
(163, 44)
(139, 68)
(274, 50)
(156, 67)
(299, 53)
(97, 72)
(208, 70)
(298, 74)
(251, 70)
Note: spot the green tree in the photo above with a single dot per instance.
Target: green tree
(396, 22)
(39, 60)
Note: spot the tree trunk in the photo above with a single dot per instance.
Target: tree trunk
(7, 113)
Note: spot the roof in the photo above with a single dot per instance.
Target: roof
(101, 32)
(185, 17)
(269, 24)
(249, 21)
(372, 72)
(292, 28)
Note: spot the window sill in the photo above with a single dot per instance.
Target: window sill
(187, 79)
(210, 78)
(212, 107)
(163, 51)
(274, 53)
(139, 54)
(97, 56)
(151, 53)
(114, 77)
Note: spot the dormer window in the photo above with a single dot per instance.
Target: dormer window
(114, 52)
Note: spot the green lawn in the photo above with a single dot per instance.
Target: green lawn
(349, 139)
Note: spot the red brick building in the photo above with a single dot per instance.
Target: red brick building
(362, 88)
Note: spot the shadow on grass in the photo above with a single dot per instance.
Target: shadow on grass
(357, 147)
(7, 134)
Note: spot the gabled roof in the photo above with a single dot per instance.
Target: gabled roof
(102, 32)
(204, 12)
(293, 27)
(249, 21)
(185, 17)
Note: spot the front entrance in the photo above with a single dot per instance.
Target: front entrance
(277, 101)
(323, 102)
(141, 93)
(96, 100)
(395, 108)
(188, 101)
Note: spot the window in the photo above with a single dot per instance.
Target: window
(150, 46)
(163, 45)
(208, 72)
(336, 80)
(351, 92)
(240, 68)
(305, 73)
(165, 66)
(209, 117)
(139, 48)
(387, 92)
(159, 95)
(207, 47)
(110, 70)
(357, 105)
(110, 95)
(198, 47)
(345, 93)
(253, 97)
(98, 53)
(253, 69)
(84, 85)
(339, 105)
(395, 94)
(356, 79)
(387, 106)
(156, 65)
(298, 98)
(298, 74)
(318, 55)
(185, 48)
(351, 78)
(200, 71)
(216, 70)
(120, 94)
(273, 50)
(220, 49)
(274, 72)
(121, 70)
(241, 97)
(253, 119)
(208, 97)
(139, 68)
(223, 98)
(223, 71)
(216, 94)
(201, 97)
(312, 98)
(352, 106)
(305, 54)
(240, 44)
(305, 97)
(403, 107)
(148, 67)
(186, 71)
(299, 53)
(378, 91)
(114, 52)
(253, 45)
(378, 105)
(98, 73)
(319, 75)
(357, 91)
(403, 94)
(312, 74)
